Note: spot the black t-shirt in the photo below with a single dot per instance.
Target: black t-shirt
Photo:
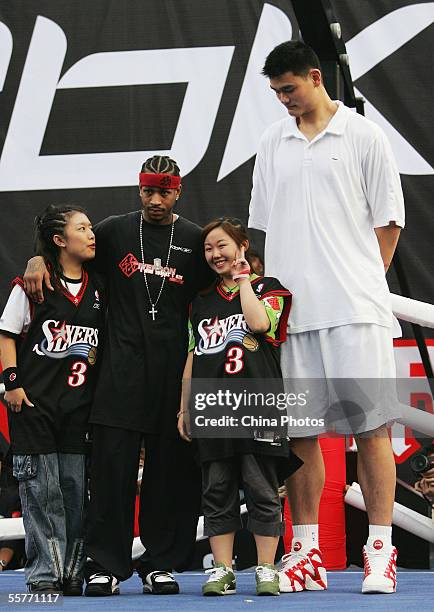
(226, 348)
(57, 360)
(140, 382)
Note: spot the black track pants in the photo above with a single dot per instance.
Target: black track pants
(169, 501)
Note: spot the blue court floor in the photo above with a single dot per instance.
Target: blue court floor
(415, 592)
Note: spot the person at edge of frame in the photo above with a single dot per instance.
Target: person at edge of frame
(50, 355)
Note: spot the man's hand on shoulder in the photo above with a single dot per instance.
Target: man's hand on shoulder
(35, 276)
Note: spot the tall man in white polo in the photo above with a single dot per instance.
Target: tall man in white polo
(327, 192)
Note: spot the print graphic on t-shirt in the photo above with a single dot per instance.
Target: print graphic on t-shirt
(181, 249)
(62, 340)
(131, 264)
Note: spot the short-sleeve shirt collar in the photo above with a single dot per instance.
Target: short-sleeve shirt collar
(336, 124)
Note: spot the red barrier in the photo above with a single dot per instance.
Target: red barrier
(4, 427)
(136, 517)
(332, 539)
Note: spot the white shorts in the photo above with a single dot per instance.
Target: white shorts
(348, 375)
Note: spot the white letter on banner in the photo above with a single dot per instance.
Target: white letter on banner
(257, 105)
(373, 45)
(36, 93)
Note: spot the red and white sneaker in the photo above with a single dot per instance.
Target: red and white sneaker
(380, 568)
(302, 570)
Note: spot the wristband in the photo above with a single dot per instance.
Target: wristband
(11, 379)
(242, 274)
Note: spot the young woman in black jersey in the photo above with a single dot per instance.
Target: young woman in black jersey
(236, 328)
(48, 352)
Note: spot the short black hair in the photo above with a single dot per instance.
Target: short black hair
(291, 56)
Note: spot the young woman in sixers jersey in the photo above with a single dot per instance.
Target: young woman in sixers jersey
(237, 327)
(48, 353)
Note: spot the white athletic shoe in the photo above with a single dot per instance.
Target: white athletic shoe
(380, 568)
(302, 571)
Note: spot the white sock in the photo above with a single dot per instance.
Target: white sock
(379, 536)
(307, 533)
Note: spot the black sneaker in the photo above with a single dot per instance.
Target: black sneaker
(44, 586)
(160, 583)
(73, 587)
(102, 585)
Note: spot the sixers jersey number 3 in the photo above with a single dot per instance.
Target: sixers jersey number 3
(58, 354)
(224, 344)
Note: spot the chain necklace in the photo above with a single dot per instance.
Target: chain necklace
(157, 264)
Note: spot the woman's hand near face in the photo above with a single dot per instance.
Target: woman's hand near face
(240, 266)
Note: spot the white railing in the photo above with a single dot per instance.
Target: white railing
(413, 311)
(404, 517)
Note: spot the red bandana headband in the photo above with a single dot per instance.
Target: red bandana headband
(164, 181)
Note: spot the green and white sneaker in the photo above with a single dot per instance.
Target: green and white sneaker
(220, 582)
(267, 580)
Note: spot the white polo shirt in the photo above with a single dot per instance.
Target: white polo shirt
(319, 203)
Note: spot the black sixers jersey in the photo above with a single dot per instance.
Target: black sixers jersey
(225, 347)
(224, 344)
(57, 363)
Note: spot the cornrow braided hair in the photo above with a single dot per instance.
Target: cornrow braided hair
(50, 222)
(161, 164)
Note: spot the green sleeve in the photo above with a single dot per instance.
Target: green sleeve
(191, 342)
(274, 308)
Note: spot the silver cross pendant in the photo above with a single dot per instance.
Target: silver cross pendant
(153, 312)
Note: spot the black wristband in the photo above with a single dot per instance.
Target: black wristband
(11, 379)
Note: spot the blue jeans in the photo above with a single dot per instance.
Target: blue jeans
(53, 498)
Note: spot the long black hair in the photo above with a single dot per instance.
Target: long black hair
(50, 222)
